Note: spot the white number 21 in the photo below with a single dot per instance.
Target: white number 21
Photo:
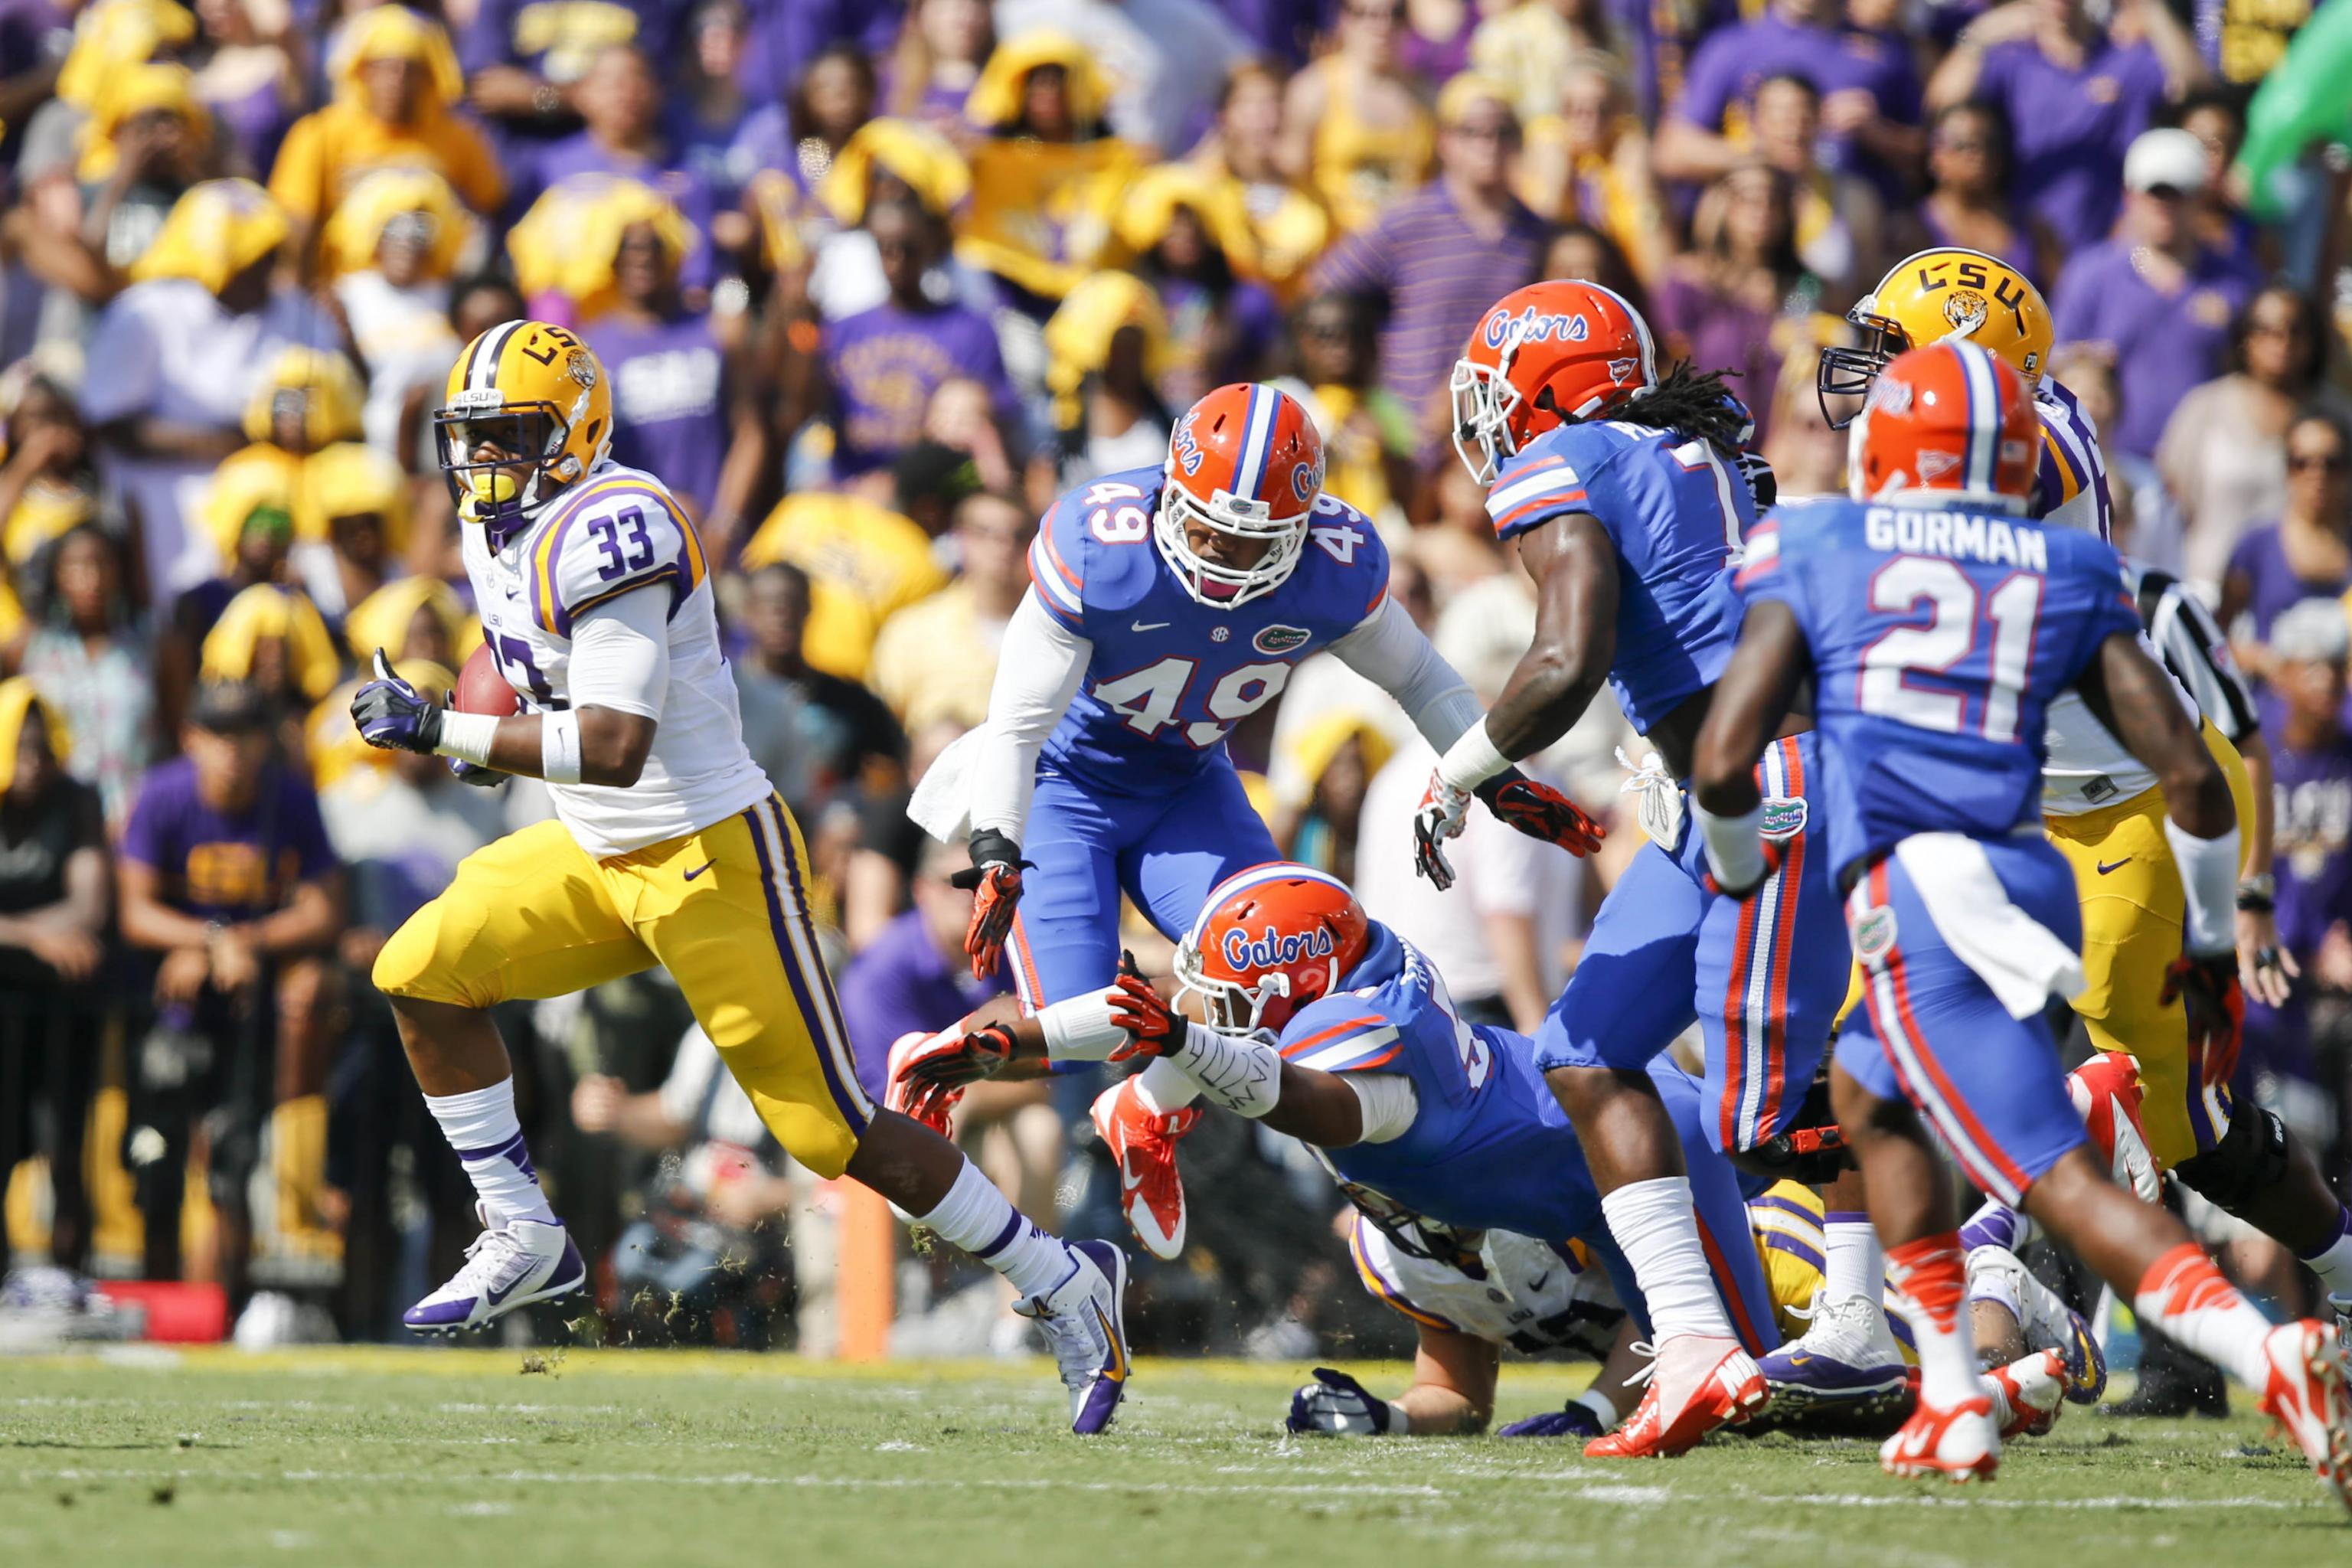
(1952, 633)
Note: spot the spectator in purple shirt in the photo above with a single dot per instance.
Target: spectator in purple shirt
(1438, 259)
(1869, 95)
(225, 874)
(522, 58)
(620, 99)
(2312, 781)
(677, 411)
(2159, 300)
(884, 363)
(2307, 553)
(2076, 96)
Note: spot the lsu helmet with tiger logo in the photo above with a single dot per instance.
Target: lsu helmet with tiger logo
(1948, 418)
(537, 394)
(1270, 941)
(1540, 356)
(1938, 296)
(1247, 462)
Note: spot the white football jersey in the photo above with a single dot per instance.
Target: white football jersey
(1536, 1299)
(2087, 768)
(619, 531)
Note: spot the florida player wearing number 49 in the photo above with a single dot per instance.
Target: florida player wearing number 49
(670, 847)
(1937, 625)
(1166, 604)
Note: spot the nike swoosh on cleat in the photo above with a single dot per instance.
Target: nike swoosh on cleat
(1127, 1177)
(2107, 866)
(699, 870)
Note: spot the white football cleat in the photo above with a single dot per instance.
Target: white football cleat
(2306, 1396)
(1959, 1442)
(508, 1266)
(1847, 1360)
(1085, 1319)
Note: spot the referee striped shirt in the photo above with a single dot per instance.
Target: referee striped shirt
(2190, 642)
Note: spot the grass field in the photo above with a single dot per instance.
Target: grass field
(424, 1460)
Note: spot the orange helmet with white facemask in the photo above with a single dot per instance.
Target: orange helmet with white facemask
(1247, 462)
(1952, 419)
(1541, 356)
(1270, 941)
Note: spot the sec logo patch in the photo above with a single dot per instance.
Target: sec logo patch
(1280, 639)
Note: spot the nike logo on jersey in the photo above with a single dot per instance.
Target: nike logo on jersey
(2107, 866)
(1149, 626)
(1538, 1282)
(699, 870)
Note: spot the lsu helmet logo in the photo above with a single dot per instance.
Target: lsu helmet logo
(1274, 947)
(1965, 310)
(581, 367)
(1529, 327)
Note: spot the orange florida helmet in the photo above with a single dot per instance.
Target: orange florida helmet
(1949, 419)
(1270, 941)
(1541, 356)
(1246, 462)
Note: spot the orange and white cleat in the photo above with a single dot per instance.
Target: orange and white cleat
(2306, 1396)
(1143, 1141)
(1959, 1442)
(1696, 1384)
(2028, 1394)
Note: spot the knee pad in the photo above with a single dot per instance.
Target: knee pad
(2250, 1159)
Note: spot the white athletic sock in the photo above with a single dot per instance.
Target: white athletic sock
(480, 1125)
(1853, 1263)
(2333, 1263)
(1933, 1277)
(1657, 1230)
(2187, 1298)
(1164, 1086)
(977, 1217)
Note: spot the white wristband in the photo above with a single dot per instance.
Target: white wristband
(1603, 1408)
(1472, 760)
(467, 736)
(1239, 1072)
(2209, 883)
(559, 747)
(1735, 846)
(1078, 1028)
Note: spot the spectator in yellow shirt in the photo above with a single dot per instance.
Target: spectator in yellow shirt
(396, 78)
(935, 661)
(864, 562)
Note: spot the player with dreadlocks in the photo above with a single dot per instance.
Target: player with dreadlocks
(1629, 494)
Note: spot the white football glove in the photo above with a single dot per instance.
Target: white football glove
(1444, 812)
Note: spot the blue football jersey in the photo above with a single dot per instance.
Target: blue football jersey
(1678, 513)
(1490, 1146)
(1938, 639)
(1170, 677)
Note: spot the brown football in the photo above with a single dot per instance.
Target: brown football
(482, 688)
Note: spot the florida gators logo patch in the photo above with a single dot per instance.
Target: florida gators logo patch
(1873, 935)
(1280, 639)
(1784, 817)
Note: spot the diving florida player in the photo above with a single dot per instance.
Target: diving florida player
(2101, 805)
(1937, 626)
(1166, 605)
(1628, 498)
(669, 848)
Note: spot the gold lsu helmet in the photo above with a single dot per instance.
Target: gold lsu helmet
(537, 393)
(1946, 293)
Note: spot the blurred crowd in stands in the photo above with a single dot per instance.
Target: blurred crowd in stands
(874, 281)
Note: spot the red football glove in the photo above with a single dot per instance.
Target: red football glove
(1541, 812)
(1135, 1008)
(2208, 992)
(994, 880)
(929, 1073)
